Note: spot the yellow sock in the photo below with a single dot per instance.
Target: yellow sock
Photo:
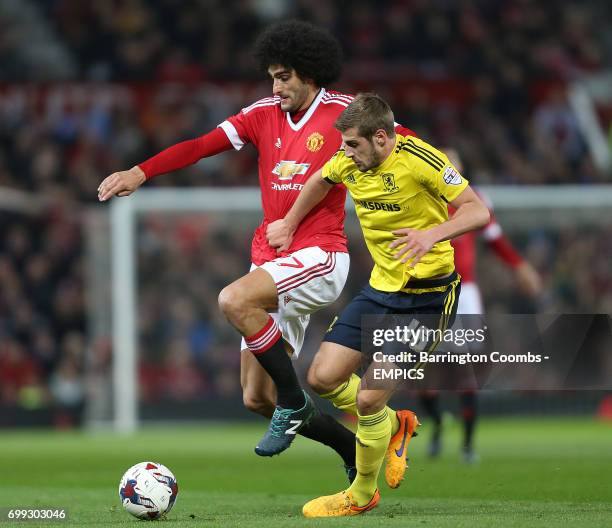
(372, 439)
(345, 399)
(394, 421)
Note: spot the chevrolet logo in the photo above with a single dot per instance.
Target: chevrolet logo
(286, 170)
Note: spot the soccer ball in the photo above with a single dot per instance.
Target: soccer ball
(148, 490)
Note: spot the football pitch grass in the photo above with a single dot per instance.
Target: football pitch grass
(532, 473)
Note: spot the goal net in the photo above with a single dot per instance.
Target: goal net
(159, 258)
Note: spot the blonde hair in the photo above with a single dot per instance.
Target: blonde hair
(368, 112)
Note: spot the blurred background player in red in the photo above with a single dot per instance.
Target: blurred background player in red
(470, 302)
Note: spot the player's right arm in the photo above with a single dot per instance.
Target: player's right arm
(235, 132)
(124, 183)
(280, 232)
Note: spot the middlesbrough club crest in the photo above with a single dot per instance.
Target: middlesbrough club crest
(388, 180)
(315, 142)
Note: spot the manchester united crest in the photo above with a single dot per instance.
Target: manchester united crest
(315, 142)
(388, 180)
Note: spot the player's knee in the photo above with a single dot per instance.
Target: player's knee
(321, 381)
(230, 301)
(369, 402)
(258, 404)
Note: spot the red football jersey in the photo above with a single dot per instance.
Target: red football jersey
(289, 153)
(465, 246)
(465, 256)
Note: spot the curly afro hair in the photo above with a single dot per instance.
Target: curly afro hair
(311, 51)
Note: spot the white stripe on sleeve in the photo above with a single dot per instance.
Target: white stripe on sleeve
(232, 134)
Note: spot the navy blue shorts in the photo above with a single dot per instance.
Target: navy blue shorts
(346, 329)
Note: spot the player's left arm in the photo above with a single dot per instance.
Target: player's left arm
(471, 213)
(528, 279)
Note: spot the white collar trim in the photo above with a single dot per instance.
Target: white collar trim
(297, 126)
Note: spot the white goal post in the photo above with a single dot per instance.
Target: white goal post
(584, 96)
(123, 217)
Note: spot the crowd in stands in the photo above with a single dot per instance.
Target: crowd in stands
(515, 40)
(487, 78)
(42, 312)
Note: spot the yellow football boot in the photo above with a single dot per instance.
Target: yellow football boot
(338, 505)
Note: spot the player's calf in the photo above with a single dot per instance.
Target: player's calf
(258, 405)
(258, 390)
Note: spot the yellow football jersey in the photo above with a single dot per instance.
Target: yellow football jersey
(411, 188)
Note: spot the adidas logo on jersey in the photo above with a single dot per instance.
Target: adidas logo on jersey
(278, 143)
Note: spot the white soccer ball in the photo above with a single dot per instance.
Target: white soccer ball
(148, 490)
